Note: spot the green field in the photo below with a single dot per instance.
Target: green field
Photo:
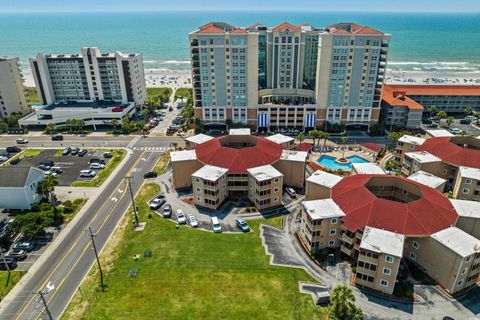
(32, 95)
(159, 92)
(183, 92)
(103, 175)
(192, 274)
(14, 278)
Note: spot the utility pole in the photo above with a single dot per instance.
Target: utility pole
(40, 293)
(6, 266)
(92, 236)
(129, 178)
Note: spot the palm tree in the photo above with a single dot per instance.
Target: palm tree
(342, 306)
(469, 111)
(449, 121)
(442, 114)
(432, 110)
(324, 135)
(47, 185)
(114, 123)
(80, 124)
(69, 123)
(344, 141)
(51, 128)
(314, 134)
(300, 137)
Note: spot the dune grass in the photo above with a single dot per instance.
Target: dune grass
(192, 274)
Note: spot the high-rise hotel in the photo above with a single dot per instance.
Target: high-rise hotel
(89, 77)
(288, 76)
(12, 92)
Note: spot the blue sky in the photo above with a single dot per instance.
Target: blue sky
(279, 5)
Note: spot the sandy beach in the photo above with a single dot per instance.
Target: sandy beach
(182, 78)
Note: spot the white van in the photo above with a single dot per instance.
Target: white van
(216, 226)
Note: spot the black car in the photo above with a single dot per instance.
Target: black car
(82, 152)
(57, 137)
(17, 254)
(101, 161)
(465, 121)
(15, 161)
(49, 163)
(150, 174)
(107, 155)
(12, 263)
(13, 149)
(75, 151)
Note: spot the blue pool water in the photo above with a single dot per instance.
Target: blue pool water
(329, 162)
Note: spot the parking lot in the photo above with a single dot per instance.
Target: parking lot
(70, 164)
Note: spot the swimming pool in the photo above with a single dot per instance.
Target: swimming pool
(329, 162)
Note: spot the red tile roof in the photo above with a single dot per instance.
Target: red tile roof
(238, 30)
(304, 146)
(398, 98)
(437, 90)
(210, 29)
(353, 28)
(449, 152)
(372, 146)
(286, 25)
(238, 160)
(431, 213)
(367, 30)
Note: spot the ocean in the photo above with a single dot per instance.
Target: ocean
(420, 41)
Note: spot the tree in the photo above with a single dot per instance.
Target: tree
(390, 165)
(175, 145)
(47, 186)
(114, 123)
(432, 110)
(3, 126)
(469, 111)
(442, 114)
(449, 121)
(51, 127)
(70, 123)
(344, 141)
(80, 124)
(341, 306)
(300, 137)
(31, 224)
(324, 135)
(314, 134)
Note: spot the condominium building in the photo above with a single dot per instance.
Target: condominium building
(288, 76)
(376, 220)
(406, 143)
(239, 167)
(398, 110)
(12, 92)
(90, 76)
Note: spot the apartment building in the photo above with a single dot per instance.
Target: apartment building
(287, 75)
(249, 167)
(467, 184)
(90, 76)
(377, 220)
(319, 185)
(209, 186)
(12, 92)
(406, 143)
(398, 110)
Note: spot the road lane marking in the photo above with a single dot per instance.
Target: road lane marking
(76, 241)
(114, 199)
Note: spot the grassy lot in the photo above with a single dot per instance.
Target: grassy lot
(14, 278)
(32, 95)
(192, 274)
(183, 93)
(159, 92)
(162, 163)
(103, 174)
(58, 153)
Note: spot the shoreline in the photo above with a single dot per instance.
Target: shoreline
(181, 78)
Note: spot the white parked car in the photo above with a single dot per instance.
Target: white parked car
(96, 165)
(87, 174)
(193, 221)
(50, 173)
(22, 141)
(216, 226)
(181, 217)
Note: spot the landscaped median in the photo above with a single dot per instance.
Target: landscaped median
(162, 163)
(191, 274)
(117, 156)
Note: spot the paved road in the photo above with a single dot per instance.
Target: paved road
(71, 261)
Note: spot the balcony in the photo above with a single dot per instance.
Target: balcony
(195, 51)
(346, 239)
(346, 251)
(194, 43)
(384, 45)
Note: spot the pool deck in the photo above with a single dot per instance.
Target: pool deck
(362, 152)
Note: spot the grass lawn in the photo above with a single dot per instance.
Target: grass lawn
(31, 152)
(58, 153)
(192, 274)
(159, 91)
(183, 92)
(77, 204)
(32, 95)
(103, 175)
(162, 163)
(14, 278)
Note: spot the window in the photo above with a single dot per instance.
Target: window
(468, 259)
(465, 191)
(387, 271)
(415, 245)
(468, 181)
(276, 180)
(198, 189)
(334, 221)
(384, 283)
(413, 256)
(333, 231)
(460, 283)
(197, 179)
(331, 242)
(464, 270)
(389, 259)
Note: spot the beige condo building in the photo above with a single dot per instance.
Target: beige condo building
(12, 92)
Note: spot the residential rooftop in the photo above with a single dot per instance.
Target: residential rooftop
(183, 155)
(399, 99)
(382, 241)
(199, 138)
(239, 132)
(437, 90)
(293, 155)
(458, 241)
(470, 173)
(264, 172)
(322, 209)
(325, 179)
(423, 157)
(466, 208)
(210, 173)
(15, 176)
(457, 151)
(367, 168)
(412, 140)
(280, 138)
(427, 179)
(435, 133)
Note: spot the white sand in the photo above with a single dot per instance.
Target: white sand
(182, 78)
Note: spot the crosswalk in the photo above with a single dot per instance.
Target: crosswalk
(151, 149)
